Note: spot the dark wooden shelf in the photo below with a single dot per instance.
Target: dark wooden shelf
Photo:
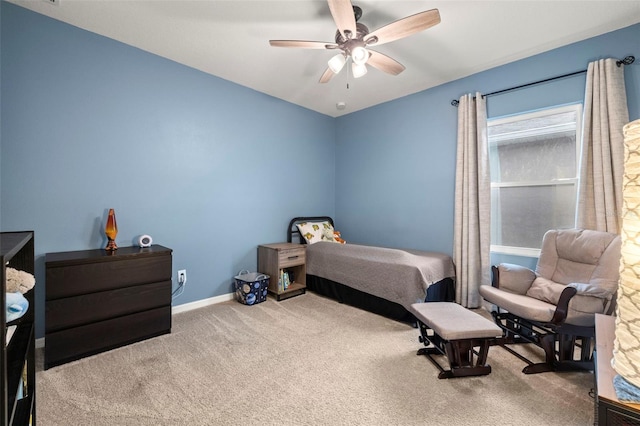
(23, 411)
(12, 242)
(610, 410)
(18, 357)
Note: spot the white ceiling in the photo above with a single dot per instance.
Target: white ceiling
(229, 39)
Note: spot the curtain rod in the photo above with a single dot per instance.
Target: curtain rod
(626, 61)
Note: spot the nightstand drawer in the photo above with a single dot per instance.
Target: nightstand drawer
(291, 257)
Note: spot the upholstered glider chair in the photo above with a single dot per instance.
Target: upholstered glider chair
(555, 306)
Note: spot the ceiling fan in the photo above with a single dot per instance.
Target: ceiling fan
(353, 40)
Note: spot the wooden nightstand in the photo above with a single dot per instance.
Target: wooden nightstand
(290, 257)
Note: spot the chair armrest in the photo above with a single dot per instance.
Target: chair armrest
(511, 277)
(562, 308)
(592, 290)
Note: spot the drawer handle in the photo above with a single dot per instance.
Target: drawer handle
(293, 257)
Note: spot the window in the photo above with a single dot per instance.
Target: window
(534, 177)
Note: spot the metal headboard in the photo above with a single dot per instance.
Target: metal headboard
(293, 229)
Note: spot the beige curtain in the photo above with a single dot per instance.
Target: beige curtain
(473, 202)
(605, 114)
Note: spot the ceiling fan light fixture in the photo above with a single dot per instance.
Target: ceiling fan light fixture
(360, 55)
(337, 62)
(352, 39)
(358, 70)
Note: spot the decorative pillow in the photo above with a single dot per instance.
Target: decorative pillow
(312, 232)
(545, 290)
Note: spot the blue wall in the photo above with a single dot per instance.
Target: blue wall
(208, 168)
(212, 169)
(395, 163)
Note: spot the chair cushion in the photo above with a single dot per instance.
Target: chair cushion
(579, 255)
(582, 309)
(518, 304)
(453, 322)
(598, 288)
(515, 278)
(582, 246)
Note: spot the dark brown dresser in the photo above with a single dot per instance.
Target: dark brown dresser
(97, 300)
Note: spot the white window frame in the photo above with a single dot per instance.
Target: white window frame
(577, 108)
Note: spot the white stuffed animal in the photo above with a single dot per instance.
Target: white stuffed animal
(19, 281)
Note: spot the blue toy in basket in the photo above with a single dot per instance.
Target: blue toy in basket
(251, 287)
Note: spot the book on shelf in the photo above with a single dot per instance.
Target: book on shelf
(10, 330)
(283, 280)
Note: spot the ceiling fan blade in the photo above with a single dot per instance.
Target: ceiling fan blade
(384, 63)
(342, 12)
(404, 27)
(328, 75)
(303, 44)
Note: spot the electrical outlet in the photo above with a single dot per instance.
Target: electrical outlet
(182, 276)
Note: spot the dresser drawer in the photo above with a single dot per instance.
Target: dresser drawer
(291, 257)
(75, 343)
(95, 307)
(72, 280)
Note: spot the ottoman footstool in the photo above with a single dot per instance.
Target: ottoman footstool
(449, 329)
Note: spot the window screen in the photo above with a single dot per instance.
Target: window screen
(534, 176)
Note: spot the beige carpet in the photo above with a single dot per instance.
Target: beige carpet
(303, 361)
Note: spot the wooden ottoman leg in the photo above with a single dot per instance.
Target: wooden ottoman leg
(460, 354)
(461, 357)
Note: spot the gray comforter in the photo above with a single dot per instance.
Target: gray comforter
(400, 276)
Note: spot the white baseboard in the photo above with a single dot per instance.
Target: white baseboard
(202, 303)
(180, 308)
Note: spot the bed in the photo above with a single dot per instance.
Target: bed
(381, 280)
